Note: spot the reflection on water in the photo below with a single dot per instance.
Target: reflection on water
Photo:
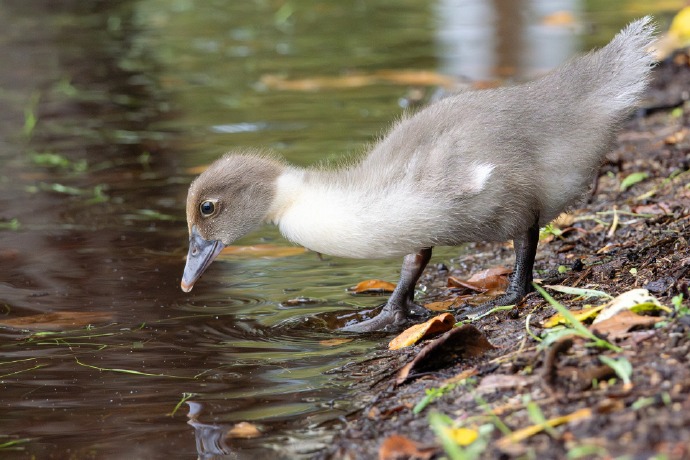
(106, 107)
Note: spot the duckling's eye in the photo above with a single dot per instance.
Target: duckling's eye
(207, 208)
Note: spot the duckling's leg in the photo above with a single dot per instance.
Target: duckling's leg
(521, 281)
(400, 307)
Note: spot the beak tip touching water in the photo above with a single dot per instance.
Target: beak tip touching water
(186, 287)
(201, 253)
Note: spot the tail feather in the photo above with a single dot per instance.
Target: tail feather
(610, 81)
(630, 59)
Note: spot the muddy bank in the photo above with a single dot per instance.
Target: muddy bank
(633, 233)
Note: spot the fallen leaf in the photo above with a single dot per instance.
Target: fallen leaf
(559, 19)
(445, 305)
(300, 301)
(269, 251)
(581, 315)
(334, 342)
(676, 137)
(465, 341)
(372, 286)
(57, 321)
(499, 382)
(398, 77)
(414, 334)
(243, 430)
(620, 324)
(462, 436)
(415, 78)
(396, 447)
(467, 373)
(196, 169)
(633, 179)
(653, 209)
(492, 281)
(635, 300)
(520, 435)
(586, 293)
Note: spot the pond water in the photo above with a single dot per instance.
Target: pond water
(108, 111)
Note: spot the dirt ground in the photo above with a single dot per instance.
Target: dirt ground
(619, 241)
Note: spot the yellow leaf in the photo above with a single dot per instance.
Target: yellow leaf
(582, 315)
(680, 26)
(521, 435)
(414, 334)
(462, 436)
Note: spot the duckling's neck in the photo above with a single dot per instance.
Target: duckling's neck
(316, 210)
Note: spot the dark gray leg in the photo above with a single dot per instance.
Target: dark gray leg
(521, 281)
(400, 307)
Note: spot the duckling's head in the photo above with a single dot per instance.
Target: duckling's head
(227, 201)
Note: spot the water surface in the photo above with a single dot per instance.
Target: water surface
(109, 108)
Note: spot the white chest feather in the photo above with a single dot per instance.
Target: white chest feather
(362, 222)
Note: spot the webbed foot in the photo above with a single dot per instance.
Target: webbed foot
(392, 318)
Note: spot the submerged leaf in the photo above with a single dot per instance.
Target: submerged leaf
(243, 430)
(335, 342)
(58, 320)
(414, 334)
(263, 250)
(372, 286)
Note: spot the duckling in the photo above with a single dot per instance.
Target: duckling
(487, 165)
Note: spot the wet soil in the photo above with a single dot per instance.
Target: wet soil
(646, 249)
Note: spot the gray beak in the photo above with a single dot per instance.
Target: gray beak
(201, 254)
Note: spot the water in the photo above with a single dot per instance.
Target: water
(107, 108)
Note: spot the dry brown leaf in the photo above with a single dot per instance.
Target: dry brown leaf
(467, 373)
(372, 286)
(396, 447)
(414, 334)
(619, 325)
(269, 251)
(676, 137)
(243, 430)
(654, 209)
(58, 320)
(498, 382)
(465, 341)
(445, 305)
(492, 281)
